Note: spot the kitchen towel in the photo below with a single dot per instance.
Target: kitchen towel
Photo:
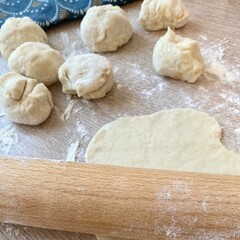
(48, 12)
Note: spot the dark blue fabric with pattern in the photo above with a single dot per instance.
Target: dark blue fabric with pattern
(48, 12)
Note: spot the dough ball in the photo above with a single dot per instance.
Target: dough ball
(36, 60)
(16, 31)
(105, 28)
(177, 57)
(161, 14)
(89, 76)
(24, 100)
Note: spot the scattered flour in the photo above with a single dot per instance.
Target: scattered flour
(222, 71)
(164, 194)
(72, 151)
(216, 66)
(81, 189)
(76, 150)
(8, 138)
(213, 51)
(115, 69)
(82, 130)
(11, 231)
(170, 204)
(73, 47)
(205, 205)
(84, 137)
(68, 111)
(2, 114)
(119, 86)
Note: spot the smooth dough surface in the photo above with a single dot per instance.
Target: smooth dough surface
(177, 139)
(177, 57)
(16, 31)
(161, 14)
(88, 75)
(24, 100)
(105, 28)
(36, 60)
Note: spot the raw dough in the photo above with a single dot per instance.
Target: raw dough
(88, 75)
(25, 100)
(36, 60)
(177, 139)
(161, 14)
(105, 28)
(16, 31)
(177, 57)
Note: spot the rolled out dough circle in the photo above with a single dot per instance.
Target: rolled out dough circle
(177, 139)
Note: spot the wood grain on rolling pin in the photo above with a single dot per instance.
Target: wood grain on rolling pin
(117, 201)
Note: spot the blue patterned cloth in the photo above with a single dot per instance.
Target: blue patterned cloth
(48, 12)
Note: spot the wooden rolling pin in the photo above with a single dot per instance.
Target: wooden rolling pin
(117, 201)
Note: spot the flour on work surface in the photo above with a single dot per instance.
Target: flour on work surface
(10, 231)
(2, 113)
(83, 132)
(8, 138)
(84, 137)
(73, 47)
(68, 111)
(72, 151)
(216, 66)
(76, 149)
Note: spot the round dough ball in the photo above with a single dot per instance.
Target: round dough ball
(105, 28)
(177, 57)
(36, 60)
(24, 100)
(89, 76)
(16, 31)
(161, 14)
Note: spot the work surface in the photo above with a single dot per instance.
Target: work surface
(138, 90)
